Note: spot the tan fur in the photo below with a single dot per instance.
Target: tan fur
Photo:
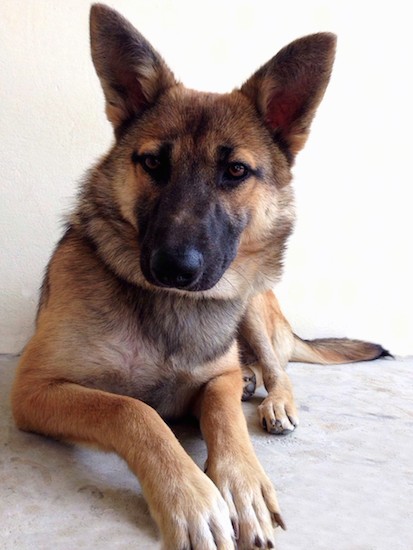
(268, 344)
(116, 351)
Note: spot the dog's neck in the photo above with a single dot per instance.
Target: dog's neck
(197, 328)
(178, 324)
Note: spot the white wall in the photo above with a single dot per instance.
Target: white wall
(348, 268)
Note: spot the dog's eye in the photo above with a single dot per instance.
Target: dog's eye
(151, 162)
(156, 164)
(236, 171)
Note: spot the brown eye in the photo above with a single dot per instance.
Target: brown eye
(236, 171)
(151, 162)
(155, 163)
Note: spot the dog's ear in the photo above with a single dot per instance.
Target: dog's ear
(131, 72)
(288, 89)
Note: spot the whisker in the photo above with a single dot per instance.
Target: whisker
(240, 274)
(228, 281)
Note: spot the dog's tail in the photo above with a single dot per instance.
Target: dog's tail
(332, 351)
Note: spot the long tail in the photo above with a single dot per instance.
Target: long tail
(332, 351)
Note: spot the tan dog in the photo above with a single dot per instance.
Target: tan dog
(168, 261)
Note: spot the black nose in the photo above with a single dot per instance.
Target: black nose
(176, 268)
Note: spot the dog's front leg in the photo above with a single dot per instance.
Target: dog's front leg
(233, 465)
(187, 506)
(267, 335)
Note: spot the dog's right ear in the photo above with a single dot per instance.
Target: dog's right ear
(131, 72)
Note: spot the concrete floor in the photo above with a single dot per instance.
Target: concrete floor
(344, 478)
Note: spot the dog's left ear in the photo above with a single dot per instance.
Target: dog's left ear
(288, 89)
(132, 73)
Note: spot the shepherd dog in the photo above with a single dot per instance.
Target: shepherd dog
(157, 302)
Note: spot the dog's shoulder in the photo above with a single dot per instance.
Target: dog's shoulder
(73, 269)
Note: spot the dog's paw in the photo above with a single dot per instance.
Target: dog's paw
(250, 383)
(251, 500)
(193, 514)
(278, 413)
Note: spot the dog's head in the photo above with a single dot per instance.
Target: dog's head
(195, 196)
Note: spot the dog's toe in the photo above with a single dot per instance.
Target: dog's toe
(275, 417)
(275, 427)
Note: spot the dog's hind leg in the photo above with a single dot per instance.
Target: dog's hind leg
(251, 369)
(182, 499)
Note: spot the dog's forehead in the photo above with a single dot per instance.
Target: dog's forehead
(183, 114)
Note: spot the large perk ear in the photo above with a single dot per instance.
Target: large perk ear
(131, 72)
(288, 89)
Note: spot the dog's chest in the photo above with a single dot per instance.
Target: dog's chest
(140, 370)
(166, 348)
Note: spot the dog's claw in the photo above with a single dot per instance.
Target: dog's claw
(235, 526)
(277, 428)
(278, 521)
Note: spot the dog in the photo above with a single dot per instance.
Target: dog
(160, 291)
